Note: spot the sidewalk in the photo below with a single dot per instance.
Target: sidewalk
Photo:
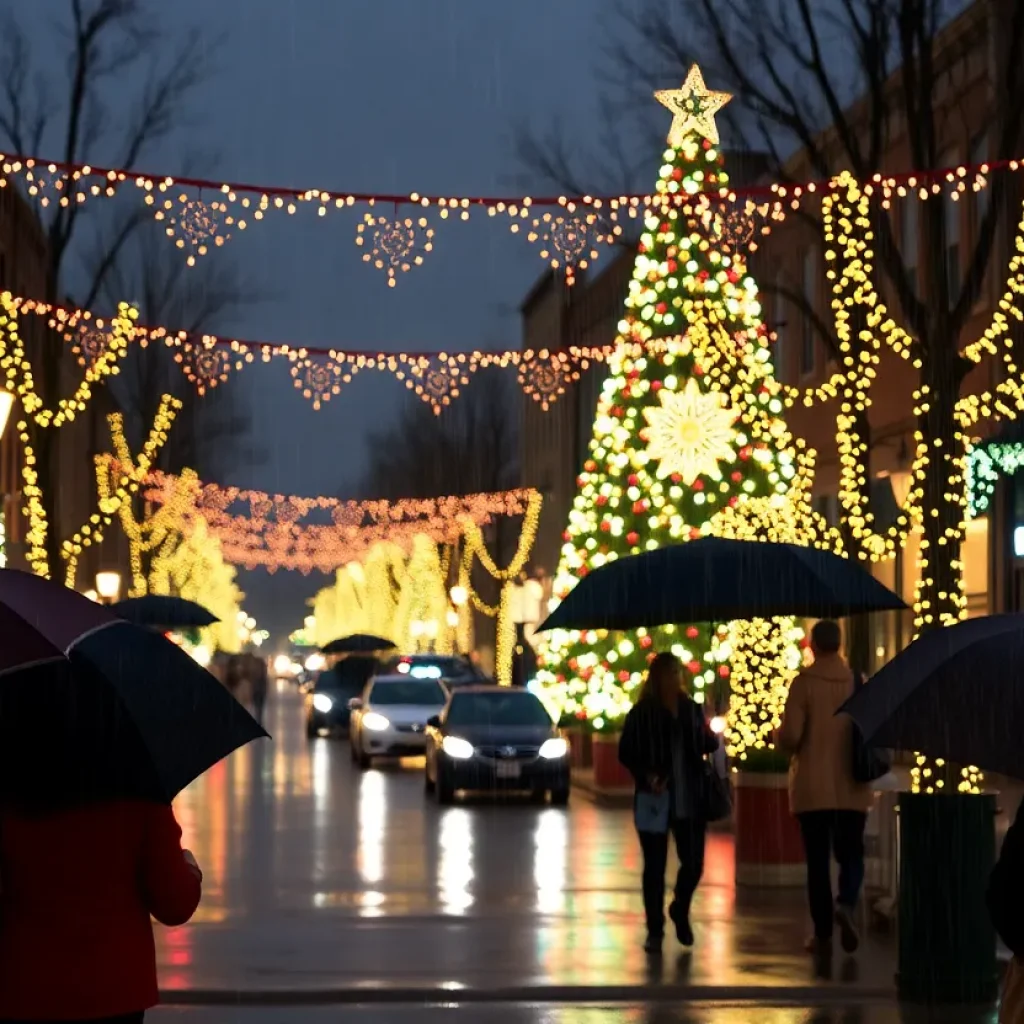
(586, 949)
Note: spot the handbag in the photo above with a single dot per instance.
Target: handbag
(869, 764)
(651, 812)
(716, 794)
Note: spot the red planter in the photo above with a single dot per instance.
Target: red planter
(609, 775)
(581, 750)
(769, 849)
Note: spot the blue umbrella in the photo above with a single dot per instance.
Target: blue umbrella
(716, 580)
(955, 693)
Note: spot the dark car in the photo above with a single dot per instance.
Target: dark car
(496, 738)
(452, 669)
(327, 703)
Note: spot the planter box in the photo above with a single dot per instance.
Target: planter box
(769, 848)
(581, 750)
(609, 775)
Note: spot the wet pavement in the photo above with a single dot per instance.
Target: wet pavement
(526, 1014)
(324, 884)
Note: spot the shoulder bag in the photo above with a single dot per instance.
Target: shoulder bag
(869, 764)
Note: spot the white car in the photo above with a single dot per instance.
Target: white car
(390, 719)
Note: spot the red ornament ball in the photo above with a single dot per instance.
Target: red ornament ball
(623, 676)
(646, 641)
(698, 485)
(633, 479)
(632, 538)
(656, 385)
(692, 632)
(605, 526)
(723, 671)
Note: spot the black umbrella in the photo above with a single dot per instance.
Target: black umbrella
(91, 702)
(716, 580)
(358, 643)
(955, 693)
(165, 611)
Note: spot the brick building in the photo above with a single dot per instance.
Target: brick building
(791, 257)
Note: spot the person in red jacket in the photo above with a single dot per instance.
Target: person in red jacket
(78, 887)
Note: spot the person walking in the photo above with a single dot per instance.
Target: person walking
(829, 803)
(664, 740)
(79, 882)
(258, 684)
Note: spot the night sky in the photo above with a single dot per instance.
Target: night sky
(367, 95)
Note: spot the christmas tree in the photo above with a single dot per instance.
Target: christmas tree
(688, 440)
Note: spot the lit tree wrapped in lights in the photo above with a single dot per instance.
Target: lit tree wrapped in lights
(688, 440)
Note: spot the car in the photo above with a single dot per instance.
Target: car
(452, 669)
(327, 702)
(390, 718)
(496, 738)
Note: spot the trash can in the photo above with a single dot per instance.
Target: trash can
(947, 944)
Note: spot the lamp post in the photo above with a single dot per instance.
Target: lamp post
(108, 585)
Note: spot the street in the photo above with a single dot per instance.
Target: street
(328, 886)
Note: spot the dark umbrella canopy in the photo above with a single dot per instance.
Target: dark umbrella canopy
(166, 611)
(955, 693)
(124, 710)
(358, 643)
(716, 580)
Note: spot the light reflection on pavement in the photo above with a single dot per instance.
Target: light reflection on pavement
(696, 1014)
(320, 877)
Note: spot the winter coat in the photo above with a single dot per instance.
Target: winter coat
(645, 747)
(820, 741)
(77, 889)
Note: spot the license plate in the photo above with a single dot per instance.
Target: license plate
(508, 771)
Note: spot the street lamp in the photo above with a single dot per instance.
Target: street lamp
(108, 585)
(6, 405)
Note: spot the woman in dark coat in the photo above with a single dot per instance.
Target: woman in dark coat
(664, 740)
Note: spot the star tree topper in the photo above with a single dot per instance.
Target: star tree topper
(690, 432)
(694, 108)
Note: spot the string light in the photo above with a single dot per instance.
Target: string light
(118, 478)
(475, 548)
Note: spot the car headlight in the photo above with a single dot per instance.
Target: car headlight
(458, 748)
(375, 722)
(554, 748)
(322, 703)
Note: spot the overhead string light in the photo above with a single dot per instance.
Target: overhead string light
(201, 215)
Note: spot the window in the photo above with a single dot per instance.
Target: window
(808, 348)
(909, 229)
(952, 232)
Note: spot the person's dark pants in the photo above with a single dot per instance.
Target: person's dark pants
(826, 833)
(259, 704)
(689, 837)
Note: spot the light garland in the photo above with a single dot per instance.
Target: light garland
(986, 463)
(274, 535)
(112, 493)
(475, 548)
(201, 214)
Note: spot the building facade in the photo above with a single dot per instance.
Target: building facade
(789, 265)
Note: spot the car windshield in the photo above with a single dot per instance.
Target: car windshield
(423, 692)
(435, 668)
(342, 679)
(508, 708)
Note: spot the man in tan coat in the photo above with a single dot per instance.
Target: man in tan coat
(829, 804)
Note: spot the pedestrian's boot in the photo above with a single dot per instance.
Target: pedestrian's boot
(681, 919)
(848, 937)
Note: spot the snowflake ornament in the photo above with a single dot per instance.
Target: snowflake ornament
(690, 433)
